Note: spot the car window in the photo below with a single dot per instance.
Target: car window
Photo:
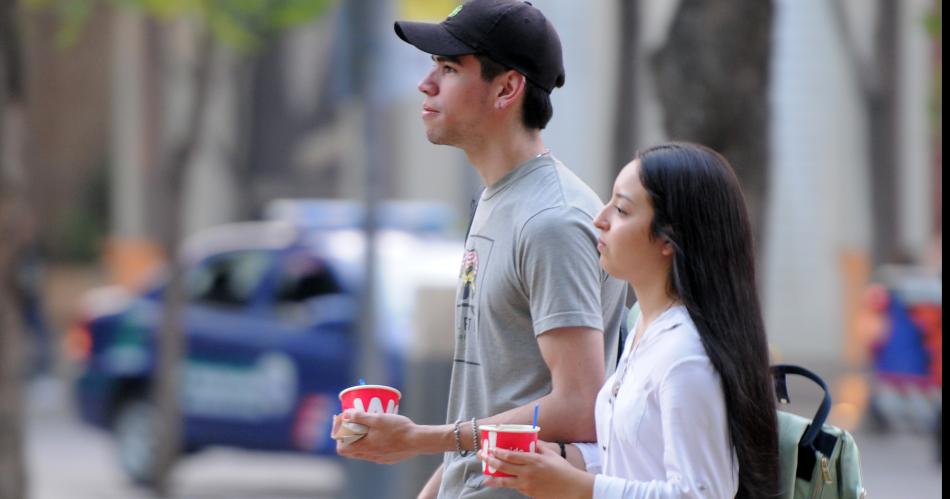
(228, 280)
(303, 277)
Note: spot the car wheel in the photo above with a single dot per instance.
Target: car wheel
(136, 439)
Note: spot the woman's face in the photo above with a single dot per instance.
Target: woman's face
(626, 249)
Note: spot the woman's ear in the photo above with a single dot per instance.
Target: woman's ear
(668, 249)
(511, 85)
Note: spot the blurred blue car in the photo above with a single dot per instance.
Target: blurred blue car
(269, 327)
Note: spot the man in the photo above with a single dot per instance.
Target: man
(536, 317)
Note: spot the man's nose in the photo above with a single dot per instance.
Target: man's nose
(427, 85)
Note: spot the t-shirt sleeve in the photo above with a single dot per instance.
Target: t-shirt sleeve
(560, 270)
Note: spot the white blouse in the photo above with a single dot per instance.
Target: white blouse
(663, 432)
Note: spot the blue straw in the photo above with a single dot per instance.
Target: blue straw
(534, 424)
(362, 382)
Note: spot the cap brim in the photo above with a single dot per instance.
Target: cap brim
(431, 38)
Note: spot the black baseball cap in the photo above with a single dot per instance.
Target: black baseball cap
(513, 33)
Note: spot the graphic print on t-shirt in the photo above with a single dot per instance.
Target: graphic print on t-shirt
(467, 275)
(466, 294)
(468, 298)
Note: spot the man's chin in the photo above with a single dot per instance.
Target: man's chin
(436, 139)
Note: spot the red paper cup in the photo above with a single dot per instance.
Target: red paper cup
(374, 399)
(516, 437)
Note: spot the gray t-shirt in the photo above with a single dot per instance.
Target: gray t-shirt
(531, 265)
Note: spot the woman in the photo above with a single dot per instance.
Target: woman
(690, 410)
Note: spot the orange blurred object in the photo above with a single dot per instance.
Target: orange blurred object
(877, 297)
(929, 318)
(78, 342)
(132, 261)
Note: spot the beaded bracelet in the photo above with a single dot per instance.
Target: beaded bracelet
(475, 445)
(458, 439)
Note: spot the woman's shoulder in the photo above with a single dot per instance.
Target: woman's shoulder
(677, 342)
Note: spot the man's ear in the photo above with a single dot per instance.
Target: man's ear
(510, 86)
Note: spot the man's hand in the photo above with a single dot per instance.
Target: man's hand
(389, 439)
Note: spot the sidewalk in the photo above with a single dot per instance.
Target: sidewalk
(900, 466)
(67, 459)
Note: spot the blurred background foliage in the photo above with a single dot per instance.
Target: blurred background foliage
(244, 24)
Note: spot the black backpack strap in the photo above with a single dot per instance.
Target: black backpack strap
(779, 371)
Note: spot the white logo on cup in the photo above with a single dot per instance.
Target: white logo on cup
(490, 444)
(375, 406)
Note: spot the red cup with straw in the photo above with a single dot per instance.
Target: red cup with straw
(514, 437)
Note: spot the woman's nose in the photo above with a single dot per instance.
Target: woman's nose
(601, 220)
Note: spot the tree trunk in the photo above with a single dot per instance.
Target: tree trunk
(625, 119)
(239, 156)
(881, 102)
(12, 473)
(935, 20)
(13, 217)
(877, 80)
(713, 80)
(171, 334)
(12, 476)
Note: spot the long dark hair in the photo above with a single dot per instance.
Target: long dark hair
(699, 208)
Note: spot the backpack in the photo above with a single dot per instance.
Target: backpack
(816, 460)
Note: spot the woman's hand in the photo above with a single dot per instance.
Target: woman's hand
(542, 475)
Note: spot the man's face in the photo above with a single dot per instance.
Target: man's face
(458, 101)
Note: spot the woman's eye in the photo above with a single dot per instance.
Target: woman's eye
(620, 210)
(448, 69)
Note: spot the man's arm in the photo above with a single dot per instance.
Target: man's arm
(431, 489)
(575, 358)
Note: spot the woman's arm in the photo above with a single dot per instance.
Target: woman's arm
(585, 456)
(577, 454)
(576, 458)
